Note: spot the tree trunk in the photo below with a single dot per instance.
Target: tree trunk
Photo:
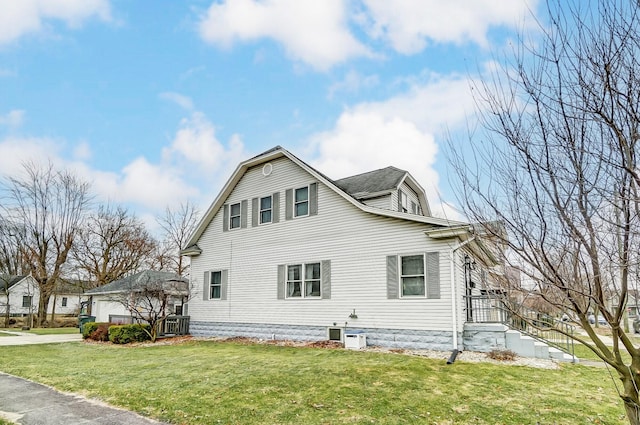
(42, 308)
(53, 312)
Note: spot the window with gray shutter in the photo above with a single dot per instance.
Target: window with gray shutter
(205, 285)
(288, 213)
(224, 284)
(392, 277)
(276, 207)
(313, 199)
(225, 218)
(433, 274)
(254, 212)
(326, 279)
(281, 281)
(243, 214)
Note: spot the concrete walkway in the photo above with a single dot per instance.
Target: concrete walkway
(25, 338)
(28, 403)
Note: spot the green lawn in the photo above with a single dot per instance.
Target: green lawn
(42, 331)
(5, 334)
(208, 382)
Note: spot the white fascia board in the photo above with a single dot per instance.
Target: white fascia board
(422, 194)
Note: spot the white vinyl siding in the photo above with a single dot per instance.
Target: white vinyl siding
(354, 243)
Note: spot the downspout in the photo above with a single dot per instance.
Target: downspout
(454, 297)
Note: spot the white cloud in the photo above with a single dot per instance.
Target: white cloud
(402, 131)
(313, 32)
(13, 118)
(353, 82)
(14, 152)
(408, 25)
(82, 152)
(19, 18)
(179, 99)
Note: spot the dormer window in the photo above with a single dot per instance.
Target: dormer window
(404, 202)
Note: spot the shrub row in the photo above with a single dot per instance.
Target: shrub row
(118, 334)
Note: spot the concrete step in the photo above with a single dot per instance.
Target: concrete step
(561, 356)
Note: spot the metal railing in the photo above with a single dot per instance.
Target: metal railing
(541, 326)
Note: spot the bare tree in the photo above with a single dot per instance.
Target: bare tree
(113, 243)
(11, 261)
(178, 225)
(49, 205)
(556, 163)
(150, 297)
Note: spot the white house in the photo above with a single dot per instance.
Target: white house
(24, 296)
(112, 302)
(18, 294)
(285, 252)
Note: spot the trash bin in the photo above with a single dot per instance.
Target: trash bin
(85, 318)
(355, 339)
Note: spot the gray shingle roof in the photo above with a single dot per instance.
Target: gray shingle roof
(10, 279)
(136, 281)
(382, 180)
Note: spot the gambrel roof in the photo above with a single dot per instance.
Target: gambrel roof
(385, 178)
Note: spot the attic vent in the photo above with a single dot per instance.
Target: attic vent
(267, 169)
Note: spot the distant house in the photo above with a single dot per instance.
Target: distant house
(19, 295)
(66, 297)
(285, 252)
(108, 303)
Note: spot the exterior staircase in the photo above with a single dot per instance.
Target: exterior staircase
(491, 326)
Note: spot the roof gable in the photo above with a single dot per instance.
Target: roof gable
(279, 152)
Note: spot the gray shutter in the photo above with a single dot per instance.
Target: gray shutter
(205, 286)
(288, 203)
(275, 207)
(254, 212)
(399, 200)
(243, 214)
(433, 274)
(224, 283)
(281, 274)
(313, 199)
(325, 276)
(225, 218)
(185, 309)
(392, 277)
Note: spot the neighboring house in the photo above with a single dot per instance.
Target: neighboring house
(66, 297)
(285, 252)
(23, 295)
(108, 303)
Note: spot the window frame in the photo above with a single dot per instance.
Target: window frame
(401, 276)
(237, 216)
(29, 299)
(261, 210)
(404, 202)
(303, 280)
(213, 284)
(307, 201)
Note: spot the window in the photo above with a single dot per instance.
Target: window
(26, 301)
(234, 216)
(404, 202)
(412, 276)
(265, 209)
(215, 285)
(64, 301)
(301, 205)
(303, 281)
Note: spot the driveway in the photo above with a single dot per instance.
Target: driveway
(24, 338)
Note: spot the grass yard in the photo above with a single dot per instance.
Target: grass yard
(53, 331)
(207, 382)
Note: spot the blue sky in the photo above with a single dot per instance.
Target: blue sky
(156, 102)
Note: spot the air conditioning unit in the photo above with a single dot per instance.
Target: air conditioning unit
(355, 339)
